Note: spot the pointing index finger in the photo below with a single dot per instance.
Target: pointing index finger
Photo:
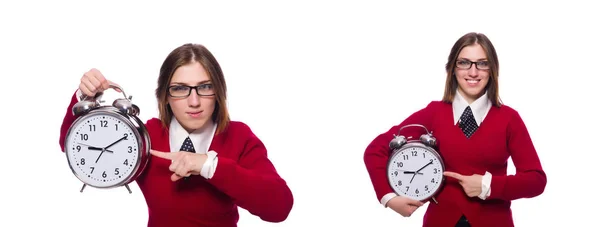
(164, 155)
(453, 175)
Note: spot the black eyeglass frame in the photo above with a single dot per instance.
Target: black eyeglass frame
(471, 64)
(189, 89)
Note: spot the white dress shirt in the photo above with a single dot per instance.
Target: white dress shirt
(480, 108)
(201, 139)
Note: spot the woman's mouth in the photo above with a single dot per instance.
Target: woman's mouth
(473, 82)
(194, 114)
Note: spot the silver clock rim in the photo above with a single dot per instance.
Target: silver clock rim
(140, 132)
(406, 146)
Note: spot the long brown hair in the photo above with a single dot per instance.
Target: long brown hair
(183, 55)
(451, 83)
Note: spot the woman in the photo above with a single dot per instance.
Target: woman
(476, 135)
(227, 166)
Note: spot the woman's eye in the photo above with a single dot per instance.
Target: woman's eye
(206, 86)
(179, 88)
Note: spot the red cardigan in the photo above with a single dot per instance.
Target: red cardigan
(501, 135)
(244, 177)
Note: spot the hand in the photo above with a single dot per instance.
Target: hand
(404, 206)
(93, 82)
(183, 163)
(471, 184)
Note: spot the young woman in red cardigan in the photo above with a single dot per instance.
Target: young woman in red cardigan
(228, 166)
(476, 134)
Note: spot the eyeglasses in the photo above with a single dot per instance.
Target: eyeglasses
(183, 91)
(466, 64)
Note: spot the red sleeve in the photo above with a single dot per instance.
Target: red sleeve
(530, 179)
(68, 119)
(378, 151)
(253, 182)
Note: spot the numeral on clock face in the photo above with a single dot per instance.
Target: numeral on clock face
(102, 150)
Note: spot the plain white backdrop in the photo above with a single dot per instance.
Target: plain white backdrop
(316, 81)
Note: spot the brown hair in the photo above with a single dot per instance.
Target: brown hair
(186, 54)
(467, 40)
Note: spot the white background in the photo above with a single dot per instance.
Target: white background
(315, 81)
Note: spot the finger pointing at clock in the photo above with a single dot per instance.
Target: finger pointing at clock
(183, 164)
(471, 184)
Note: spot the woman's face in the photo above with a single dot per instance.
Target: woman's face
(192, 111)
(472, 72)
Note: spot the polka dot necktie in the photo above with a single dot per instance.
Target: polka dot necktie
(188, 146)
(467, 122)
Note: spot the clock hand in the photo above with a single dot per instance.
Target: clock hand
(100, 149)
(106, 148)
(100, 155)
(429, 163)
(418, 171)
(119, 140)
(103, 150)
(412, 172)
(90, 147)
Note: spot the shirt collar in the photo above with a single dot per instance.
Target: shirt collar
(480, 107)
(201, 138)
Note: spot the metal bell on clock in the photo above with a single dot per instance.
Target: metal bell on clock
(125, 106)
(429, 140)
(397, 142)
(84, 106)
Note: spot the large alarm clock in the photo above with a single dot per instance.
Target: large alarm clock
(107, 146)
(415, 169)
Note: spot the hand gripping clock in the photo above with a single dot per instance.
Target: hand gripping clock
(107, 146)
(415, 169)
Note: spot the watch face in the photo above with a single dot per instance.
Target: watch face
(415, 172)
(102, 149)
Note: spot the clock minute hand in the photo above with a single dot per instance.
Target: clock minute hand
(106, 148)
(419, 171)
(119, 140)
(424, 166)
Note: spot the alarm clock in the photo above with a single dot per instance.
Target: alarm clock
(107, 146)
(415, 169)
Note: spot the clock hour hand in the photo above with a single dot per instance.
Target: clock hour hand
(90, 147)
(412, 172)
(100, 149)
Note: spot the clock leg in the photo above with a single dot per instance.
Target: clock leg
(434, 200)
(82, 187)
(128, 189)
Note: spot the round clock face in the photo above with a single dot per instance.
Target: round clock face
(415, 172)
(102, 149)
